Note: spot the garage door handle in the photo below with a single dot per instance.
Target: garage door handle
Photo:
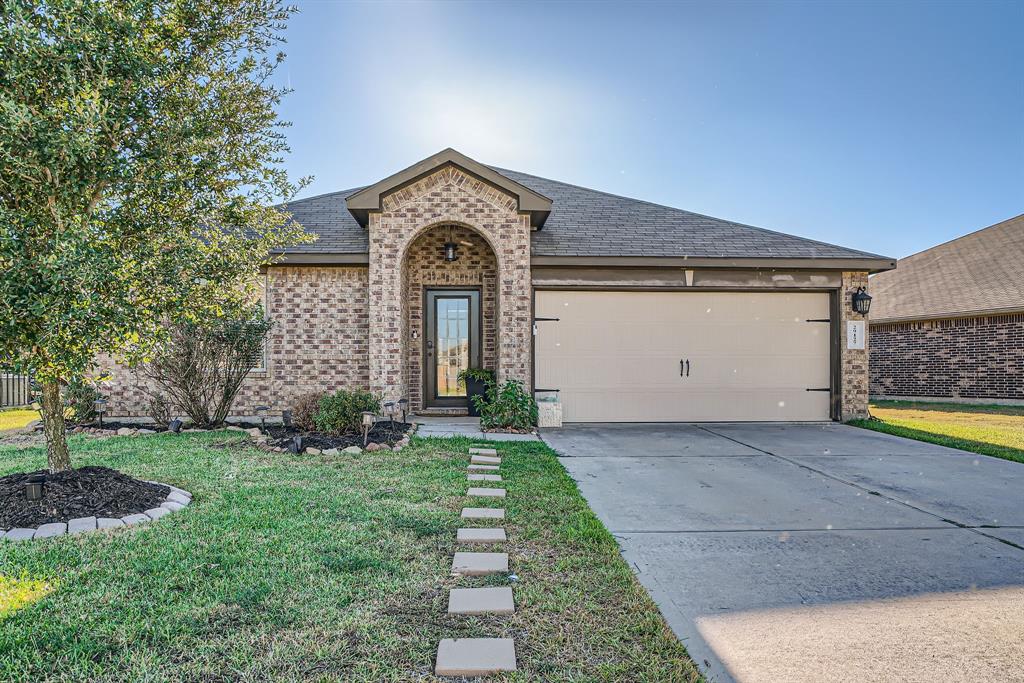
(687, 367)
(684, 367)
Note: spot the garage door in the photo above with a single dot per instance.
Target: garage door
(685, 356)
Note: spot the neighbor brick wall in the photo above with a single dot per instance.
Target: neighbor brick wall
(853, 362)
(319, 342)
(981, 357)
(446, 196)
(425, 266)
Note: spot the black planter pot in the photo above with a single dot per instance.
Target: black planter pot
(474, 387)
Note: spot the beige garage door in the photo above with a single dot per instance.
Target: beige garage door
(684, 356)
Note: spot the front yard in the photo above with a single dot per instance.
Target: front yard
(990, 430)
(297, 567)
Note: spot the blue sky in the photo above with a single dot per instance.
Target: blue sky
(886, 126)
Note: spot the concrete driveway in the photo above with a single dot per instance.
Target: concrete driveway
(815, 552)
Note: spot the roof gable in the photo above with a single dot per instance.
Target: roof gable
(982, 272)
(369, 198)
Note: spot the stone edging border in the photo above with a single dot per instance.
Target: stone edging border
(176, 500)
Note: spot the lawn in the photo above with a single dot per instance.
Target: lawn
(16, 418)
(295, 567)
(990, 430)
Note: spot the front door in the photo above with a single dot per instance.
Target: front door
(452, 345)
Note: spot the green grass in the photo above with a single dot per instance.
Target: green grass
(16, 418)
(989, 430)
(311, 568)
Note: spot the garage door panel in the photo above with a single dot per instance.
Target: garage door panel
(616, 355)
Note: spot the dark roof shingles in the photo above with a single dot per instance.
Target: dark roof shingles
(586, 222)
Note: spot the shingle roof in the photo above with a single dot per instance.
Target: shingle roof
(982, 272)
(586, 222)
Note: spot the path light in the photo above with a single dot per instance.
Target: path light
(389, 407)
(403, 405)
(295, 446)
(34, 488)
(286, 418)
(100, 406)
(861, 301)
(261, 412)
(174, 426)
(367, 423)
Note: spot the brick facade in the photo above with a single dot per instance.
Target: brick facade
(319, 342)
(853, 362)
(964, 358)
(425, 267)
(447, 196)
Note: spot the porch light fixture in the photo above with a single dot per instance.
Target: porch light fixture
(262, 411)
(367, 424)
(100, 406)
(451, 249)
(861, 301)
(34, 488)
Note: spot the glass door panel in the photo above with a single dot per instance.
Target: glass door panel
(452, 316)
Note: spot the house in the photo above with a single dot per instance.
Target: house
(948, 323)
(631, 310)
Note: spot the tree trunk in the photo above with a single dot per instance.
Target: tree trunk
(53, 425)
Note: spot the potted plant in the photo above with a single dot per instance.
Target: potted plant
(476, 380)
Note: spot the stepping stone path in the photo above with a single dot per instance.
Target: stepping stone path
(468, 657)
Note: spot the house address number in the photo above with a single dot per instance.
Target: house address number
(855, 334)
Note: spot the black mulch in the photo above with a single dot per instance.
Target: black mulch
(115, 425)
(382, 432)
(84, 492)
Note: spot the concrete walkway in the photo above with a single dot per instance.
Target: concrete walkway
(815, 552)
(469, 427)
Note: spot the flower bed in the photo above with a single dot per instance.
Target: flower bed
(383, 434)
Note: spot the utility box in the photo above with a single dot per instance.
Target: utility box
(549, 409)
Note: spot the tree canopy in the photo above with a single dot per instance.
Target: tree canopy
(140, 161)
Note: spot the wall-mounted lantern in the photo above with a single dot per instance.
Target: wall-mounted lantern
(451, 249)
(861, 301)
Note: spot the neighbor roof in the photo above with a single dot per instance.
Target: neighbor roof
(586, 223)
(982, 272)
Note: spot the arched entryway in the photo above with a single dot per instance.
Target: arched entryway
(449, 313)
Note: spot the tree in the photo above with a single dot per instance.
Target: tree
(140, 155)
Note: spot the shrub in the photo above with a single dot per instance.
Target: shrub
(342, 411)
(202, 366)
(159, 408)
(80, 397)
(305, 409)
(506, 407)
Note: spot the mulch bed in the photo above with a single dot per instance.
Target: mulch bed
(113, 425)
(84, 492)
(382, 432)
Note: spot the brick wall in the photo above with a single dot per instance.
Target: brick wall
(980, 357)
(853, 362)
(425, 266)
(319, 342)
(446, 196)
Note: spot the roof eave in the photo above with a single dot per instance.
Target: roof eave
(872, 265)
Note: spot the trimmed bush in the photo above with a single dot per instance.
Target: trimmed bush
(507, 407)
(342, 411)
(305, 409)
(80, 401)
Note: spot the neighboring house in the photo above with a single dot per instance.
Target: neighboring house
(633, 311)
(949, 322)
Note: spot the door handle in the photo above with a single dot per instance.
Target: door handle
(681, 367)
(687, 367)
(684, 367)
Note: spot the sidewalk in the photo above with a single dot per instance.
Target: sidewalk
(446, 426)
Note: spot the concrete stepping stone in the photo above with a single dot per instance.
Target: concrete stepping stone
(479, 564)
(483, 451)
(483, 513)
(484, 460)
(485, 493)
(483, 477)
(484, 468)
(496, 535)
(481, 601)
(475, 656)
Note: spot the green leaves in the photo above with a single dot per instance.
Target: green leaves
(140, 153)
